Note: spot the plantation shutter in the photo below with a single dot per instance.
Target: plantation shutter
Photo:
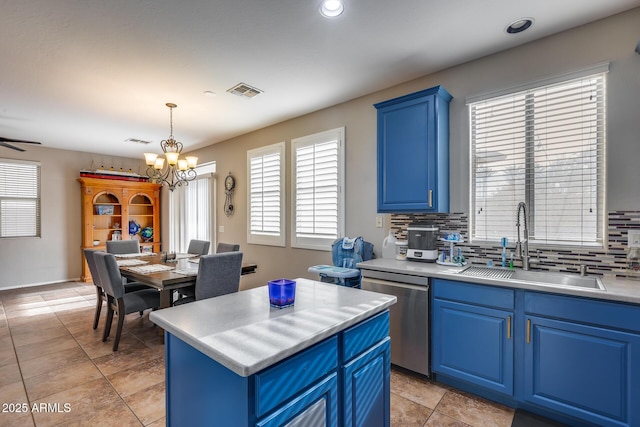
(317, 189)
(266, 195)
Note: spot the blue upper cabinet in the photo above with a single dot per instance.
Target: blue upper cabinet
(413, 152)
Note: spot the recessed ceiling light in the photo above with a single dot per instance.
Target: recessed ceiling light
(209, 93)
(519, 25)
(331, 8)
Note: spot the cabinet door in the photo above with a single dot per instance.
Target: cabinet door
(366, 388)
(316, 407)
(585, 371)
(474, 344)
(407, 157)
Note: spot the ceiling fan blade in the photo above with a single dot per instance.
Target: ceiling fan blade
(4, 144)
(3, 139)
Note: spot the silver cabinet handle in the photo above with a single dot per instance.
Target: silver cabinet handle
(430, 198)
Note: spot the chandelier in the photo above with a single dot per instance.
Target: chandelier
(177, 172)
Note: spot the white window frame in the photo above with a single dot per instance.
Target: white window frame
(318, 241)
(531, 192)
(263, 235)
(16, 188)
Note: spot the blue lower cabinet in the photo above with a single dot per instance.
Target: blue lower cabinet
(585, 371)
(366, 388)
(573, 359)
(473, 344)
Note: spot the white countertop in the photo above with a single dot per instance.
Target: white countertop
(623, 290)
(245, 334)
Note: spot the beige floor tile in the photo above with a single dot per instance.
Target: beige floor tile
(148, 404)
(475, 411)
(162, 422)
(83, 402)
(25, 323)
(125, 358)
(61, 296)
(406, 413)
(81, 314)
(36, 335)
(44, 385)
(438, 419)
(95, 348)
(138, 378)
(7, 352)
(9, 374)
(19, 414)
(27, 314)
(23, 302)
(52, 362)
(42, 348)
(416, 389)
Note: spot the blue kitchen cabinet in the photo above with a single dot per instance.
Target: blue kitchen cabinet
(573, 359)
(472, 334)
(413, 152)
(582, 358)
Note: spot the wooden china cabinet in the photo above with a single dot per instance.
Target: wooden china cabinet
(108, 205)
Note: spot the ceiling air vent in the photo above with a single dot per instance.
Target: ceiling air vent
(243, 89)
(137, 141)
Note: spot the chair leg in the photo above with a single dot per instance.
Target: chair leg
(116, 342)
(98, 307)
(107, 326)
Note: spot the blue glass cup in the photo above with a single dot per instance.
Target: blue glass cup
(282, 293)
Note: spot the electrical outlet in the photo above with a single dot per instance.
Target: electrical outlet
(221, 229)
(379, 221)
(633, 238)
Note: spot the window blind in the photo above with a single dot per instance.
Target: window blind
(19, 198)
(317, 189)
(543, 146)
(266, 196)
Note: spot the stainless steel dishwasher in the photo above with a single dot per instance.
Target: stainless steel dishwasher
(409, 317)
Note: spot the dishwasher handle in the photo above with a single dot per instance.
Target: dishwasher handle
(394, 284)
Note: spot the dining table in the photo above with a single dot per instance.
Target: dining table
(166, 275)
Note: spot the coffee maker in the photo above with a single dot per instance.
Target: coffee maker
(423, 242)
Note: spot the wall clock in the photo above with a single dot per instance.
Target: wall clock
(229, 187)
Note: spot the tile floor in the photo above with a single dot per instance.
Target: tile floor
(51, 360)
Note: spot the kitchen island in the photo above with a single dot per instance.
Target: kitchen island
(235, 361)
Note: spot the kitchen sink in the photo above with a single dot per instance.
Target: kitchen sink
(538, 277)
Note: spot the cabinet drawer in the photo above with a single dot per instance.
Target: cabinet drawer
(488, 296)
(357, 339)
(281, 382)
(584, 310)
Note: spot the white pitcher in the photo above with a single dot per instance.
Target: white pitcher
(389, 246)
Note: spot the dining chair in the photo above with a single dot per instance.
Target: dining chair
(199, 247)
(227, 247)
(119, 302)
(100, 295)
(218, 274)
(123, 246)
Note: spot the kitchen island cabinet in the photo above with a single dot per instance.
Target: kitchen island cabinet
(413, 152)
(235, 361)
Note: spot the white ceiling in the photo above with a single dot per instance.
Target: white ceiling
(88, 74)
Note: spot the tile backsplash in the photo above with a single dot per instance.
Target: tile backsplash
(609, 261)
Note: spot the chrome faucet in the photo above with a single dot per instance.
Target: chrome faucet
(522, 254)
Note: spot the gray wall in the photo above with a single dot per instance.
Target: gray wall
(56, 256)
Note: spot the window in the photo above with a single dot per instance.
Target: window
(192, 209)
(318, 199)
(542, 145)
(19, 198)
(265, 174)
